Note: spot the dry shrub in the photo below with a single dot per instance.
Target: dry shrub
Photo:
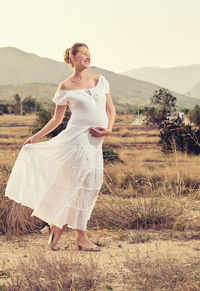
(135, 213)
(161, 272)
(14, 217)
(49, 273)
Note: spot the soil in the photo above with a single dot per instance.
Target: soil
(114, 248)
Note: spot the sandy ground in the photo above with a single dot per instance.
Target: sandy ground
(112, 254)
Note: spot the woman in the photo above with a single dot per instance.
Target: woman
(61, 178)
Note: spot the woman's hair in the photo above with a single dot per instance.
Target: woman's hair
(72, 51)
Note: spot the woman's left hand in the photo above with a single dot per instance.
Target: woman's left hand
(99, 131)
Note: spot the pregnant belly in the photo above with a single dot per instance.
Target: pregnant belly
(89, 118)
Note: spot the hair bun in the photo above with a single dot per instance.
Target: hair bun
(67, 55)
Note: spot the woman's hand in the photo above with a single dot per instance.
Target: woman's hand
(31, 139)
(99, 131)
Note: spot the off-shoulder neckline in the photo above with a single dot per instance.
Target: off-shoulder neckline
(83, 89)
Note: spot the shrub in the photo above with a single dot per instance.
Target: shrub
(4, 108)
(43, 118)
(180, 136)
(30, 104)
(110, 155)
(194, 115)
(117, 212)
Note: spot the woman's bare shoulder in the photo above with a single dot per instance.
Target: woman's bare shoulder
(68, 83)
(65, 84)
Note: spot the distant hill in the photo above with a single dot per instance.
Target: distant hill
(179, 79)
(195, 91)
(28, 74)
(18, 67)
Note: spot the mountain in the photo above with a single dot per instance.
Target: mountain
(179, 79)
(195, 91)
(28, 74)
(18, 67)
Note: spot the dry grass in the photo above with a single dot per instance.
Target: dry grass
(14, 131)
(63, 272)
(149, 180)
(27, 119)
(128, 138)
(161, 272)
(141, 269)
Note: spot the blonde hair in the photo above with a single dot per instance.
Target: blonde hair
(72, 51)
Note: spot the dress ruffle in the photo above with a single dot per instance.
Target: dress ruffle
(55, 183)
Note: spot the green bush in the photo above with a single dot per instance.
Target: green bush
(43, 117)
(4, 108)
(110, 155)
(30, 105)
(194, 115)
(179, 136)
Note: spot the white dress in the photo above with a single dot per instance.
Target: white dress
(60, 178)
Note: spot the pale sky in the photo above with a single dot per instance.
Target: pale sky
(121, 34)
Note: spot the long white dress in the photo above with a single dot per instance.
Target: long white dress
(60, 178)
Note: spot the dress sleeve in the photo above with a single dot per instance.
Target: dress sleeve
(107, 87)
(61, 97)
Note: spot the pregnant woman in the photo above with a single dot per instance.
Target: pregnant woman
(60, 179)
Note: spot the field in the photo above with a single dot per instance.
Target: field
(146, 220)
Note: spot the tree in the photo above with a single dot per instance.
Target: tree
(165, 99)
(194, 115)
(185, 110)
(16, 107)
(17, 99)
(166, 104)
(30, 104)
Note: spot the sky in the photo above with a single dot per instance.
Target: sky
(121, 34)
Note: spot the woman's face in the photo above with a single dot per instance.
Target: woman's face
(82, 58)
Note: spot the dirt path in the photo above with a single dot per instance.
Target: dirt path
(112, 255)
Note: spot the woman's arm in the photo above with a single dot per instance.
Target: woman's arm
(110, 111)
(50, 126)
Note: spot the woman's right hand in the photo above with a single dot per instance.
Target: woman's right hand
(31, 139)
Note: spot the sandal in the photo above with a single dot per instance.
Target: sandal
(80, 246)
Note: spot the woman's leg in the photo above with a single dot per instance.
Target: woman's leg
(57, 231)
(83, 238)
